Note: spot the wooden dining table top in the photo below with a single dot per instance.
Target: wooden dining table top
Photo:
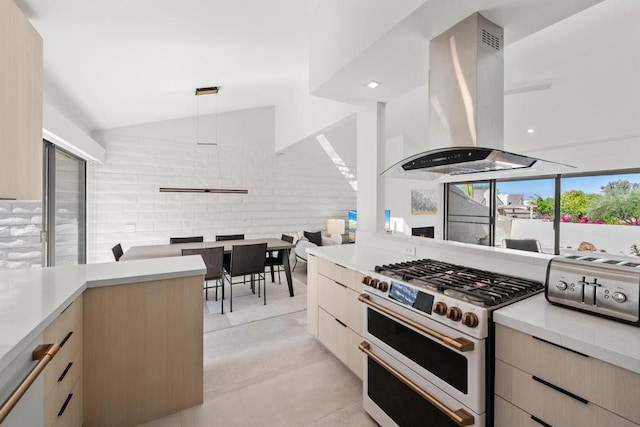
(168, 250)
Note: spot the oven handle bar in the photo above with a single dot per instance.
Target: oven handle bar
(460, 344)
(460, 417)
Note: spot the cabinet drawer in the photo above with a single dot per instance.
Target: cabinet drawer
(341, 341)
(67, 331)
(508, 415)
(54, 402)
(341, 302)
(606, 385)
(71, 416)
(549, 404)
(341, 274)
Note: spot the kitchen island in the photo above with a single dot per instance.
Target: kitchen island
(133, 325)
(532, 337)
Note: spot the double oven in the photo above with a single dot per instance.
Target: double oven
(428, 342)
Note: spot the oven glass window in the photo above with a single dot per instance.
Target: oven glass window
(438, 359)
(399, 402)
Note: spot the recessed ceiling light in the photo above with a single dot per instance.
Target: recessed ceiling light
(530, 130)
(373, 84)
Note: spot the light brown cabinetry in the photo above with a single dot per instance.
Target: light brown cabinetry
(20, 106)
(558, 386)
(62, 379)
(334, 310)
(142, 351)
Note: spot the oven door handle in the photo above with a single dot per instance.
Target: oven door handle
(460, 417)
(460, 344)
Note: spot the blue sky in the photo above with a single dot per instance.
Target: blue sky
(544, 188)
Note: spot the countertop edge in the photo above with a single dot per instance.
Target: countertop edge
(109, 274)
(512, 317)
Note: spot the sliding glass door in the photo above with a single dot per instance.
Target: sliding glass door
(65, 207)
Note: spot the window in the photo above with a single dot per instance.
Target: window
(65, 207)
(565, 214)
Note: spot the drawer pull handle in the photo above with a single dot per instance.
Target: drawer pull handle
(64, 406)
(539, 421)
(460, 344)
(559, 346)
(64, 341)
(561, 390)
(64, 373)
(338, 283)
(43, 354)
(341, 266)
(343, 324)
(460, 416)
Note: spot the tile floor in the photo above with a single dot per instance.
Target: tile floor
(271, 372)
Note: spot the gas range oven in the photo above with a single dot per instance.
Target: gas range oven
(429, 342)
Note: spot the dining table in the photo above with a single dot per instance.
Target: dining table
(171, 250)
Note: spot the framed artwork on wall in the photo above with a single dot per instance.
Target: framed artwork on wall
(424, 202)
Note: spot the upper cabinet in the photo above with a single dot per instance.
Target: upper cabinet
(20, 106)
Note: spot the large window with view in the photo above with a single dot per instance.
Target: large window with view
(563, 215)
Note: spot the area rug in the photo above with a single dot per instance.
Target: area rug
(247, 307)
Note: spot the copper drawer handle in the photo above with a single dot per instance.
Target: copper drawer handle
(43, 353)
(460, 417)
(460, 344)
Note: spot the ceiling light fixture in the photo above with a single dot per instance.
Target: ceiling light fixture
(373, 84)
(531, 130)
(213, 90)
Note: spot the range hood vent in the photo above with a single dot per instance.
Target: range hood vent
(466, 104)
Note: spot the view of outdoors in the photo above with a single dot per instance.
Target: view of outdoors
(597, 213)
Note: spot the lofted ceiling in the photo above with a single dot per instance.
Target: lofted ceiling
(112, 63)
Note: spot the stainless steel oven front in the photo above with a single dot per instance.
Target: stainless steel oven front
(418, 371)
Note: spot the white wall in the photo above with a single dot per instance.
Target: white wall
(297, 190)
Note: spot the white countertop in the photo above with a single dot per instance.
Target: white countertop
(31, 299)
(357, 257)
(613, 342)
(607, 340)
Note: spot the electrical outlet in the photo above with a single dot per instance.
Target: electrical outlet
(130, 228)
(409, 250)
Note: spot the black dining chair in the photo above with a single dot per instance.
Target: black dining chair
(117, 251)
(221, 237)
(247, 260)
(275, 259)
(212, 258)
(194, 239)
(531, 245)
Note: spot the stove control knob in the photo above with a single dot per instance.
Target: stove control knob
(374, 283)
(454, 313)
(470, 320)
(619, 297)
(561, 284)
(366, 280)
(440, 308)
(383, 286)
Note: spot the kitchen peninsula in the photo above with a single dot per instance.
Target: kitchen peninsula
(392, 291)
(130, 335)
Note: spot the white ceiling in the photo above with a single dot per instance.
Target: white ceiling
(112, 63)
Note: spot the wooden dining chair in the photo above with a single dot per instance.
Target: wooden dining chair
(275, 259)
(117, 252)
(247, 260)
(194, 239)
(212, 258)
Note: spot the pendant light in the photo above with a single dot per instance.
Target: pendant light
(212, 90)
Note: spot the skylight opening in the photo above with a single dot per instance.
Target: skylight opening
(337, 161)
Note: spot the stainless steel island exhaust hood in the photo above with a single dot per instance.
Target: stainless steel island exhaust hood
(466, 101)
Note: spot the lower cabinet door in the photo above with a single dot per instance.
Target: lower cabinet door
(341, 341)
(508, 415)
(550, 403)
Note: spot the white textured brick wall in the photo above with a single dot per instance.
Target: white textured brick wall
(296, 190)
(20, 225)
